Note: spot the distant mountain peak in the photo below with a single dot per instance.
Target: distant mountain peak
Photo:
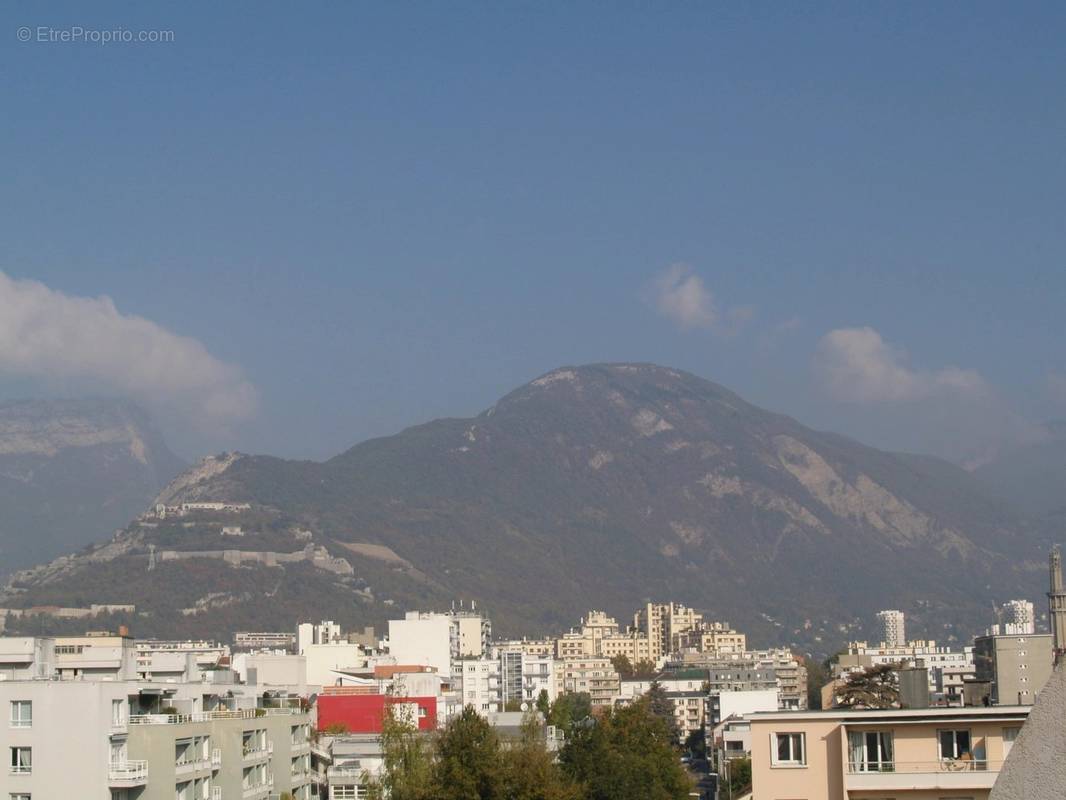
(72, 471)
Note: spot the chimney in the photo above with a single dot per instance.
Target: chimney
(914, 687)
(1057, 604)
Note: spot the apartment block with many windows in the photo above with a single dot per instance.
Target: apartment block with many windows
(918, 754)
(131, 740)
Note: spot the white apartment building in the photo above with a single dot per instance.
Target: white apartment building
(325, 632)
(948, 668)
(119, 740)
(892, 625)
(1019, 617)
(510, 678)
(437, 639)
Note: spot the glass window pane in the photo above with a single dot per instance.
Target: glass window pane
(963, 741)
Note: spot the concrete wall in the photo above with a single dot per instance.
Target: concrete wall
(821, 777)
(70, 738)
(157, 744)
(422, 641)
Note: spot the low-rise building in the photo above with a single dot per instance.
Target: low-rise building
(922, 754)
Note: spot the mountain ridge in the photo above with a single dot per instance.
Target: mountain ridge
(601, 486)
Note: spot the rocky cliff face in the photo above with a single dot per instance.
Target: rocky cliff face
(73, 471)
(604, 485)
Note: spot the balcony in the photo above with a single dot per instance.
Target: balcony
(345, 775)
(192, 765)
(923, 775)
(127, 774)
(301, 747)
(211, 716)
(258, 753)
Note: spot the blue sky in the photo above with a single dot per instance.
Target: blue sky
(373, 215)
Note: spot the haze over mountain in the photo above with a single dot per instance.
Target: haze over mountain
(72, 472)
(1032, 476)
(594, 486)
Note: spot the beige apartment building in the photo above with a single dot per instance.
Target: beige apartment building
(593, 675)
(599, 636)
(663, 624)
(716, 638)
(920, 754)
(1017, 666)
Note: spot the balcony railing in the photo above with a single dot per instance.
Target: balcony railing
(127, 773)
(21, 769)
(192, 765)
(258, 753)
(210, 716)
(913, 767)
(943, 775)
(345, 774)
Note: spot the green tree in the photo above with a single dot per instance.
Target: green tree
(544, 703)
(696, 743)
(818, 675)
(468, 760)
(660, 704)
(529, 772)
(622, 666)
(644, 669)
(873, 687)
(569, 709)
(739, 775)
(626, 755)
(407, 772)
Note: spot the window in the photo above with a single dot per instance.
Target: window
(954, 744)
(870, 751)
(19, 797)
(1009, 735)
(21, 714)
(789, 749)
(118, 713)
(21, 761)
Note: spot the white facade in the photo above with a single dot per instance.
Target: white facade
(1019, 617)
(324, 660)
(738, 704)
(325, 632)
(422, 639)
(893, 628)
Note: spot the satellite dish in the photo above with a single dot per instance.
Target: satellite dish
(524, 706)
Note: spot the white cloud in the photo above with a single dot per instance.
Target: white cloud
(680, 294)
(860, 367)
(50, 335)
